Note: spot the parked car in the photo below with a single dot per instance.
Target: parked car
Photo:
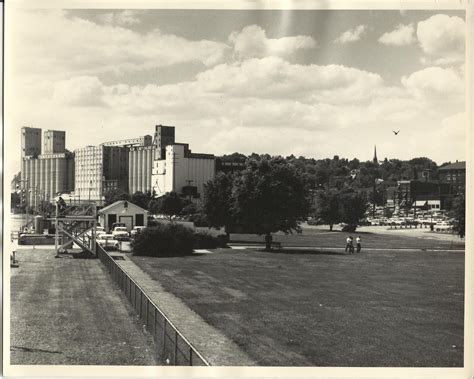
(116, 224)
(120, 233)
(107, 241)
(136, 230)
(99, 230)
(443, 226)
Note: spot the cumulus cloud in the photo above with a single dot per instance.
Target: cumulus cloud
(252, 42)
(123, 18)
(436, 83)
(83, 47)
(442, 38)
(401, 36)
(275, 77)
(352, 35)
(84, 91)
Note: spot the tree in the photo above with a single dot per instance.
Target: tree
(458, 212)
(270, 195)
(353, 207)
(154, 206)
(15, 200)
(328, 208)
(113, 195)
(217, 201)
(140, 199)
(170, 204)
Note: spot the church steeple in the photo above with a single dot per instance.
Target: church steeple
(375, 155)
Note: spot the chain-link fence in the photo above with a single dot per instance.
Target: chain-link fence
(173, 348)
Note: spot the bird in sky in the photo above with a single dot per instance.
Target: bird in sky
(394, 132)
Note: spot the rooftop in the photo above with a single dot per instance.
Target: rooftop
(454, 166)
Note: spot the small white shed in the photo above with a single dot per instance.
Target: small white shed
(123, 211)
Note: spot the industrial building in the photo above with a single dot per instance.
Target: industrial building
(136, 164)
(140, 163)
(99, 169)
(30, 141)
(45, 175)
(139, 141)
(182, 171)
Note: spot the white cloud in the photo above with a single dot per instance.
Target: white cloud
(438, 83)
(252, 42)
(401, 36)
(125, 17)
(83, 91)
(442, 37)
(61, 46)
(273, 77)
(255, 103)
(352, 35)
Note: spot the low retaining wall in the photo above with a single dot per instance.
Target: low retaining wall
(36, 239)
(173, 348)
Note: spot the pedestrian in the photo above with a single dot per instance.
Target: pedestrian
(348, 243)
(359, 247)
(351, 245)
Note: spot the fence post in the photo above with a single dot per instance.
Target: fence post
(154, 323)
(146, 312)
(164, 336)
(140, 305)
(175, 347)
(190, 356)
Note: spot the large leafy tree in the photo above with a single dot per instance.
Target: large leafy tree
(270, 195)
(458, 212)
(353, 207)
(111, 196)
(141, 199)
(169, 204)
(328, 207)
(217, 201)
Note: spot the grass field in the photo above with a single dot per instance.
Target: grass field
(68, 312)
(379, 308)
(325, 238)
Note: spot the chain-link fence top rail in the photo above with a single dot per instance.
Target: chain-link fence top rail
(172, 347)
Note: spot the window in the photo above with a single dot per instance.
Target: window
(139, 219)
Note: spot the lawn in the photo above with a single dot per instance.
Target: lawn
(379, 308)
(325, 238)
(68, 312)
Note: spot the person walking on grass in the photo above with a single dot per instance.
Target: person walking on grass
(358, 245)
(348, 243)
(351, 245)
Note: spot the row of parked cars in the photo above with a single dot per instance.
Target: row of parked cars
(119, 233)
(440, 223)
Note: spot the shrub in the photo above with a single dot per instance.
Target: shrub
(349, 228)
(199, 220)
(164, 241)
(205, 241)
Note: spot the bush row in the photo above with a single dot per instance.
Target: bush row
(170, 240)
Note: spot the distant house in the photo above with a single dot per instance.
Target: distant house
(455, 175)
(123, 211)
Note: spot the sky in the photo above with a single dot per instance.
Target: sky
(316, 83)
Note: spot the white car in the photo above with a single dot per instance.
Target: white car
(99, 230)
(108, 242)
(443, 226)
(136, 230)
(120, 233)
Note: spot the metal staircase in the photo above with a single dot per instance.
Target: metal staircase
(76, 224)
